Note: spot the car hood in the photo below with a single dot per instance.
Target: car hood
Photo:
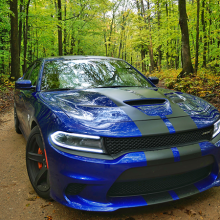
(128, 104)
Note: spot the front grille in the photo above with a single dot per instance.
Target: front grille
(158, 184)
(74, 188)
(146, 143)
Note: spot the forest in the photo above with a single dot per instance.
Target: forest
(158, 37)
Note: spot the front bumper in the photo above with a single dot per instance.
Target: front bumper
(99, 175)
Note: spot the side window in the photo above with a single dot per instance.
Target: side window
(28, 71)
(34, 74)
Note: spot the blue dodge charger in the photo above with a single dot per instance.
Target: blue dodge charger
(101, 136)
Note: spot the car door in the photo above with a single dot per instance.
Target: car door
(19, 98)
(29, 97)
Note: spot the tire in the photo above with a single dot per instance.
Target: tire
(37, 165)
(16, 122)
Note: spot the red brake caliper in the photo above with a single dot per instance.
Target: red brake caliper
(40, 165)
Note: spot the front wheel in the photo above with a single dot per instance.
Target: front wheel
(36, 164)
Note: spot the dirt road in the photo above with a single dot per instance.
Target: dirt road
(19, 201)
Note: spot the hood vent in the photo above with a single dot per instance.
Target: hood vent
(177, 100)
(138, 102)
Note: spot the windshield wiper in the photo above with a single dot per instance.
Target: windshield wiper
(115, 86)
(58, 89)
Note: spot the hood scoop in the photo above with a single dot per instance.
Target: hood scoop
(139, 102)
(152, 107)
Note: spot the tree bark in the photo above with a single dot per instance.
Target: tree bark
(15, 64)
(65, 32)
(143, 65)
(72, 44)
(167, 54)
(158, 26)
(25, 37)
(60, 44)
(197, 37)
(20, 26)
(204, 32)
(150, 47)
(187, 63)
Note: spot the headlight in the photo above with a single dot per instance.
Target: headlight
(78, 142)
(216, 128)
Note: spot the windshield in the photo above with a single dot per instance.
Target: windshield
(83, 74)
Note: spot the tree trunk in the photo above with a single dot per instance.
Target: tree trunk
(177, 54)
(167, 54)
(142, 59)
(204, 32)
(72, 44)
(122, 34)
(187, 63)
(20, 25)
(158, 26)
(65, 32)
(210, 35)
(60, 45)
(25, 37)
(150, 47)
(15, 64)
(197, 37)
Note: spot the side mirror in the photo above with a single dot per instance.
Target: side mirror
(154, 80)
(23, 84)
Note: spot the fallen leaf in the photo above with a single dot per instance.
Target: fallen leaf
(43, 206)
(32, 198)
(168, 213)
(32, 192)
(190, 212)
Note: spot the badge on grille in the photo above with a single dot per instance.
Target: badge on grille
(207, 132)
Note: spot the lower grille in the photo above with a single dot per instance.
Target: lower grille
(158, 184)
(156, 142)
(74, 188)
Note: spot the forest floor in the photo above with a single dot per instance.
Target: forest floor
(19, 201)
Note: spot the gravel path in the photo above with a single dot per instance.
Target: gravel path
(19, 201)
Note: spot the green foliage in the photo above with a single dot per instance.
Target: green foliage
(115, 28)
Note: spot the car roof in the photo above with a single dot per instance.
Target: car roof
(79, 57)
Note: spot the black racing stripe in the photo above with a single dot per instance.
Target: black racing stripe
(158, 198)
(159, 157)
(152, 127)
(118, 96)
(183, 123)
(147, 93)
(186, 191)
(176, 111)
(189, 152)
(137, 115)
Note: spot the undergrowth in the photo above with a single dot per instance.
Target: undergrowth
(204, 84)
(5, 83)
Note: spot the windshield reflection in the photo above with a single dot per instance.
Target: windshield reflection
(83, 74)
